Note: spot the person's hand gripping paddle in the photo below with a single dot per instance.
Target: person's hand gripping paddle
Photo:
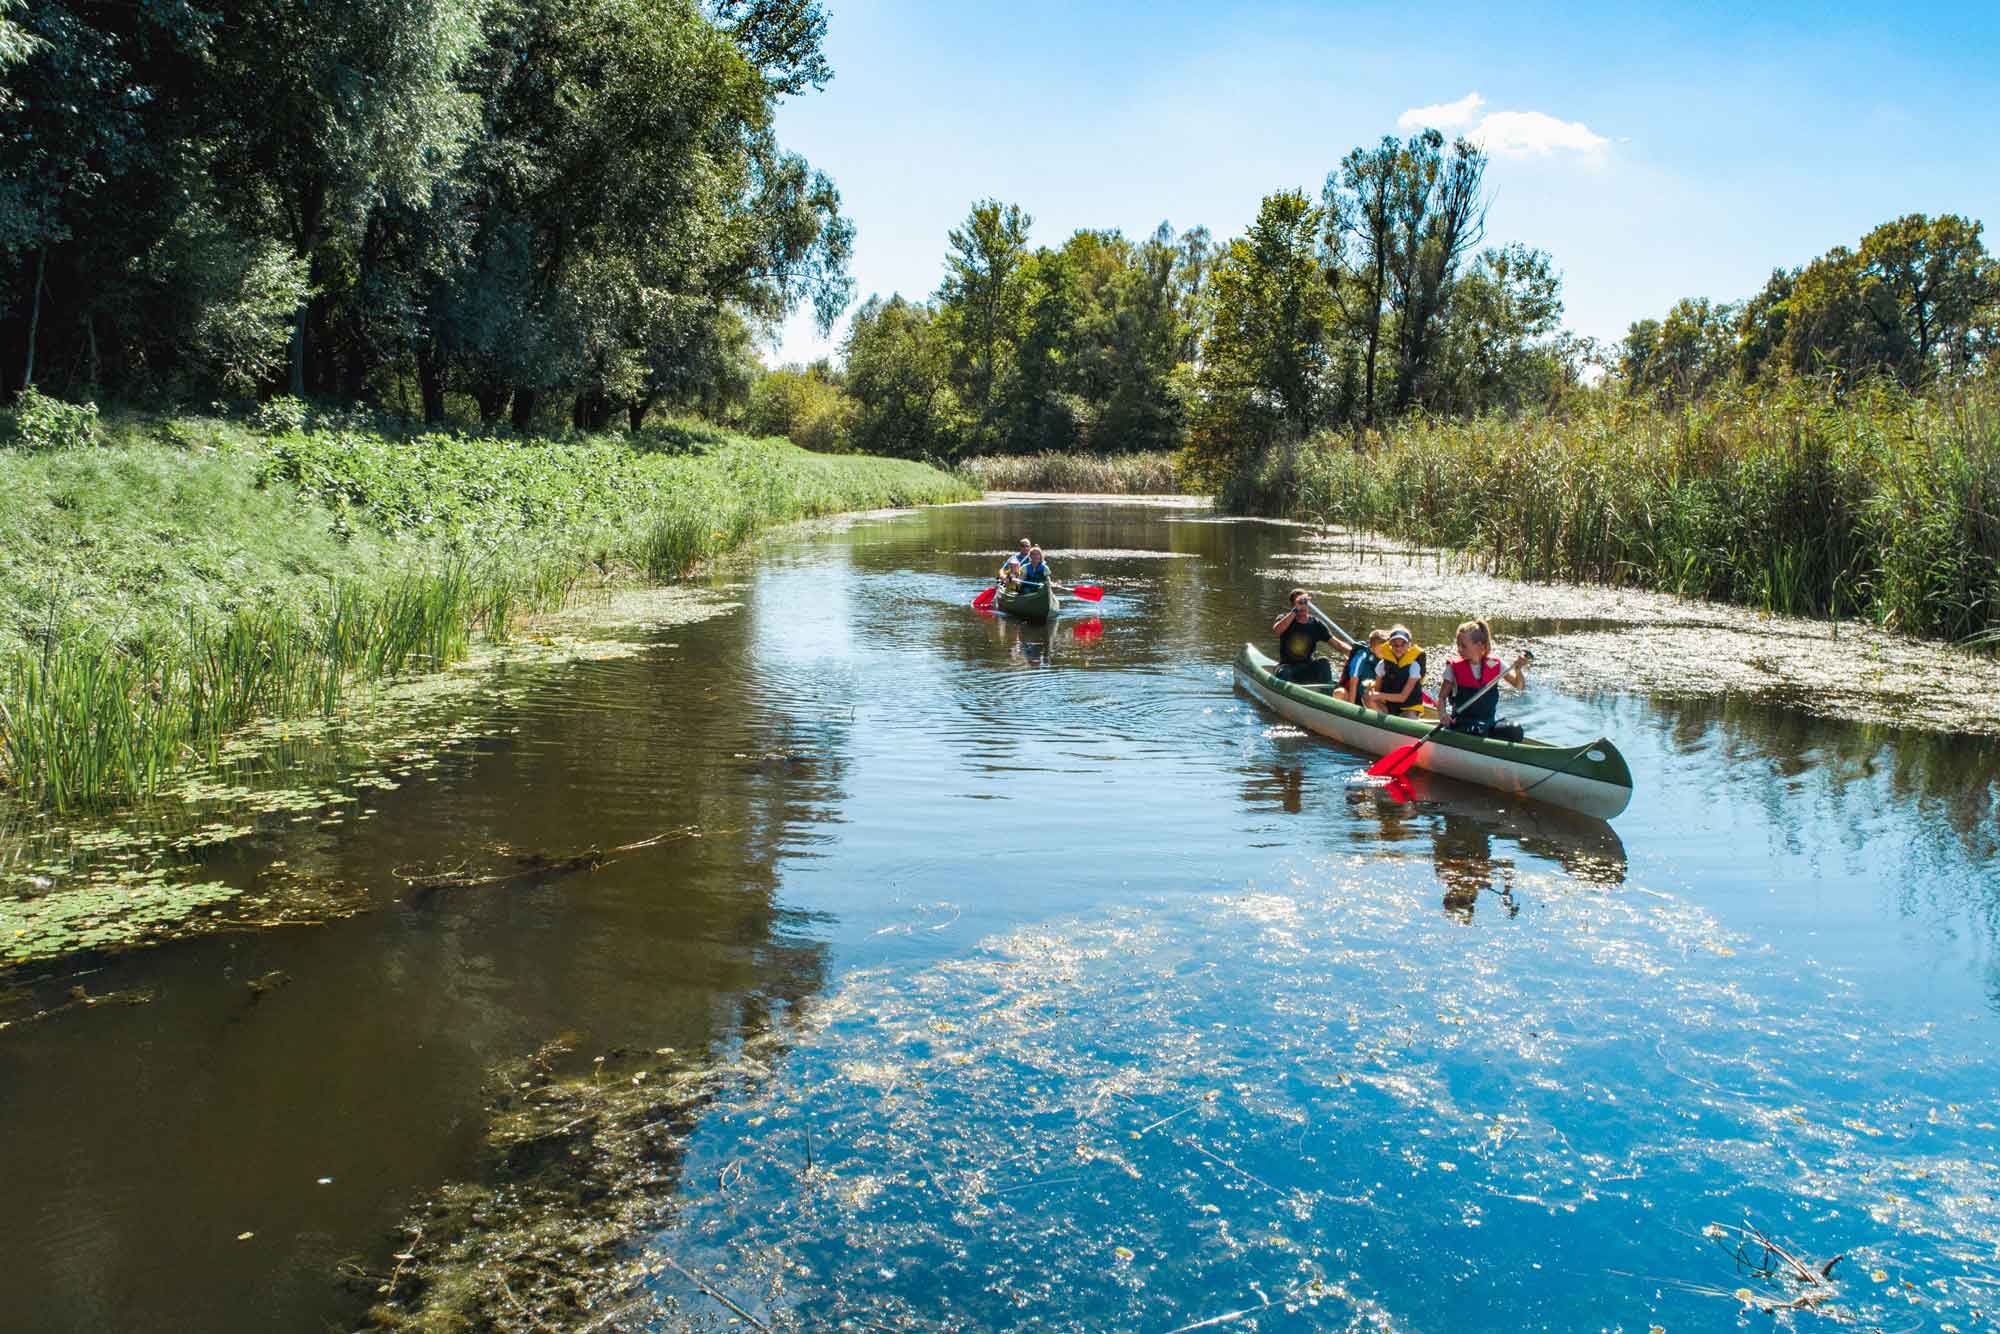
(1398, 761)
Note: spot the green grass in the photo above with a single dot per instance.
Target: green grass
(184, 577)
(1151, 474)
(1882, 505)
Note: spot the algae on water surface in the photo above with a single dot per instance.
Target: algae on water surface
(71, 885)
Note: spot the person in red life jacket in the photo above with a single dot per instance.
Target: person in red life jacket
(1471, 669)
(1300, 633)
(1399, 675)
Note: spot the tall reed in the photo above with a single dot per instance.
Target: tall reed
(1142, 474)
(109, 687)
(1880, 505)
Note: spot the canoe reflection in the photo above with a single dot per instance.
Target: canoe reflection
(1465, 824)
(1480, 842)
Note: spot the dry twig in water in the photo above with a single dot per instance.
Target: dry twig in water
(701, 1283)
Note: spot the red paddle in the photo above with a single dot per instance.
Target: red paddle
(1088, 592)
(985, 598)
(1398, 761)
(1089, 629)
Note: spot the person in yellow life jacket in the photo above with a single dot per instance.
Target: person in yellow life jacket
(1012, 565)
(1399, 675)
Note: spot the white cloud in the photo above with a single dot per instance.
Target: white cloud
(1442, 116)
(1534, 134)
(1506, 133)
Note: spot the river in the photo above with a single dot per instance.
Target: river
(1030, 977)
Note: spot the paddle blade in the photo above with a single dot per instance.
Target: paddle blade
(985, 598)
(1400, 791)
(1089, 630)
(1089, 592)
(1396, 763)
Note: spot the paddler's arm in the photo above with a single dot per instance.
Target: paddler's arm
(1513, 676)
(1285, 622)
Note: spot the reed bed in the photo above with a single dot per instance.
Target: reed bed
(1881, 505)
(1147, 474)
(155, 597)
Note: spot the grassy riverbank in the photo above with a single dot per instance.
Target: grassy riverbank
(1884, 506)
(160, 589)
(1145, 474)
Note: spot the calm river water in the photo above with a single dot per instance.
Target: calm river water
(1068, 990)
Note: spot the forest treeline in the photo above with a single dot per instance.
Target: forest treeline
(535, 211)
(1340, 314)
(574, 213)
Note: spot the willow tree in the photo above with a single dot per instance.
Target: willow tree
(330, 107)
(627, 179)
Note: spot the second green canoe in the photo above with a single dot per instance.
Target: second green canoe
(1035, 604)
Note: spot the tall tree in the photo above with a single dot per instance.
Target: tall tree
(981, 297)
(1495, 351)
(331, 106)
(1360, 204)
(1682, 357)
(1264, 359)
(1440, 216)
(899, 372)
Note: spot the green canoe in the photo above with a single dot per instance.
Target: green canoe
(1035, 604)
(1591, 778)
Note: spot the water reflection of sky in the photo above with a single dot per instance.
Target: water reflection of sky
(1151, 1015)
(1109, 1001)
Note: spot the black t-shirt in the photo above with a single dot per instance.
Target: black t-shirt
(1297, 643)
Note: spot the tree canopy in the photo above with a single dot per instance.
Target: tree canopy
(513, 200)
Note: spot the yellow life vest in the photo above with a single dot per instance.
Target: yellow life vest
(1400, 660)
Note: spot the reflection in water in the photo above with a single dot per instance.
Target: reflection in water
(158, 1134)
(981, 936)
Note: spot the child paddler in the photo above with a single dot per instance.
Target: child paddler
(1471, 669)
(1033, 572)
(1399, 675)
(1300, 633)
(1361, 667)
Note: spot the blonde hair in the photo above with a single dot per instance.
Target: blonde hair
(1035, 551)
(1378, 636)
(1479, 632)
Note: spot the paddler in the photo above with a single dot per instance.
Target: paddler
(1300, 632)
(1014, 562)
(1399, 675)
(1470, 670)
(1034, 571)
(1362, 664)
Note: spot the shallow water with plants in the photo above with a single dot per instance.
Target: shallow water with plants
(847, 959)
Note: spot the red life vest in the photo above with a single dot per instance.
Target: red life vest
(1467, 678)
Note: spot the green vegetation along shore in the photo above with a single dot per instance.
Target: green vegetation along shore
(1152, 473)
(163, 581)
(1883, 505)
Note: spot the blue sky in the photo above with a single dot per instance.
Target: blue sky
(1656, 151)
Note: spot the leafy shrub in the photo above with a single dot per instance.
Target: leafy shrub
(283, 415)
(43, 423)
